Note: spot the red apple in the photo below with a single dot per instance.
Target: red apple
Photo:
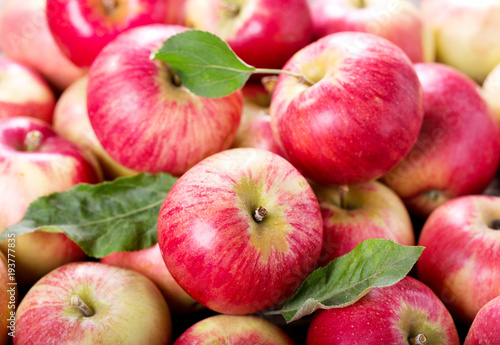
(263, 33)
(26, 38)
(240, 231)
(255, 127)
(23, 92)
(149, 262)
(398, 21)
(8, 293)
(82, 28)
(397, 314)
(176, 12)
(458, 149)
(466, 34)
(71, 121)
(143, 118)
(460, 262)
(234, 330)
(484, 328)
(368, 210)
(360, 117)
(93, 303)
(35, 161)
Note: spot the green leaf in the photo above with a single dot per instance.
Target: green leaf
(204, 63)
(373, 263)
(120, 215)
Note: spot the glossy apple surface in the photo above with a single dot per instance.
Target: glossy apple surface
(466, 34)
(460, 262)
(484, 328)
(263, 33)
(71, 121)
(127, 308)
(234, 330)
(82, 28)
(369, 210)
(143, 119)
(458, 149)
(398, 21)
(149, 262)
(360, 117)
(219, 252)
(25, 37)
(391, 315)
(54, 165)
(23, 92)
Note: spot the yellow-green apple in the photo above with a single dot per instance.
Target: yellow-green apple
(35, 161)
(367, 210)
(399, 21)
(71, 121)
(460, 262)
(255, 127)
(465, 33)
(23, 92)
(491, 90)
(484, 328)
(458, 149)
(144, 118)
(263, 33)
(240, 231)
(405, 313)
(82, 28)
(8, 293)
(149, 262)
(359, 118)
(234, 330)
(26, 38)
(93, 303)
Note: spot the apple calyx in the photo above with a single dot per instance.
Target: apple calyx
(33, 140)
(495, 224)
(76, 301)
(110, 6)
(420, 339)
(358, 3)
(259, 214)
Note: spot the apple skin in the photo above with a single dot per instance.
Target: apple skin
(484, 328)
(149, 262)
(218, 253)
(371, 210)
(458, 149)
(25, 37)
(466, 34)
(398, 21)
(234, 330)
(129, 308)
(5, 297)
(142, 119)
(23, 92)
(263, 33)
(387, 315)
(176, 12)
(460, 262)
(82, 28)
(491, 91)
(359, 119)
(71, 121)
(55, 166)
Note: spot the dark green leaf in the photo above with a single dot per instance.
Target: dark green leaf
(204, 63)
(373, 263)
(104, 218)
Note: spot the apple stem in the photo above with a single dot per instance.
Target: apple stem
(269, 83)
(230, 7)
(110, 6)
(420, 339)
(343, 190)
(33, 140)
(259, 214)
(76, 301)
(302, 78)
(174, 78)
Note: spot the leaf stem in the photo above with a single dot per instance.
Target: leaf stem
(302, 78)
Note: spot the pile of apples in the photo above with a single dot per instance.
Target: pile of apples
(375, 140)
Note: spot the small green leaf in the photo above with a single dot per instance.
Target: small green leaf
(204, 63)
(373, 263)
(120, 215)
